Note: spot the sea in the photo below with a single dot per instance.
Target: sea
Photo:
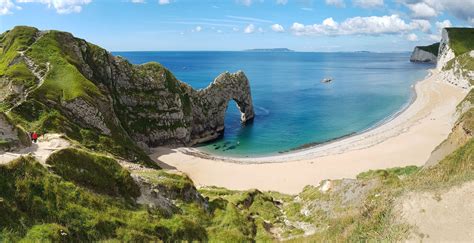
(294, 109)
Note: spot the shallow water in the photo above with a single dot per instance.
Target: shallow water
(293, 108)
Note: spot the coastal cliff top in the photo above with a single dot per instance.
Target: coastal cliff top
(461, 40)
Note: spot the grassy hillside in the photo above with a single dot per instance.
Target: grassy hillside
(461, 40)
(433, 48)
(38, 205)
(64, 81)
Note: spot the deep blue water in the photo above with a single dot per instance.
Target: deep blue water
(293, 107)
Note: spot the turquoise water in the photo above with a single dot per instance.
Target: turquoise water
(293, 108)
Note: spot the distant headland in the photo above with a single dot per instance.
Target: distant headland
(270, 50)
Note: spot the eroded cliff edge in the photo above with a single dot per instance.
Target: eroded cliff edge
(427, 54)
(51, 81)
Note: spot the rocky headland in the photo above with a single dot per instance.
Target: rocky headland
(425, 53)
(53, 82)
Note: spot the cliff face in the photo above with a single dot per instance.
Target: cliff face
(84, 86)
(456, 63)
(11, 137)
(421, 55)
(455, 56)
(445, 52)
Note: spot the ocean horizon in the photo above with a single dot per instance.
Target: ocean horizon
(293, 108)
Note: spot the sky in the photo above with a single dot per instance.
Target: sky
(192, 25)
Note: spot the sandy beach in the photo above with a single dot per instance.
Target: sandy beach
(407, 139)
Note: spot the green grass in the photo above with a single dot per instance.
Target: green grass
(455, 169)
(93, 171)
(47, 233)
(19, 74)
(169, 181)
(433, 48)
(35, 204)
(63, 82)
(461, 40)
(17, 39)
(397, 171)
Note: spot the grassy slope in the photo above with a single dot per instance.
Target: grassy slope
(73, 205)
(375, 220)
(93, 171)
(433, 48)
(63, 82)
(18, 39)
(38, 205)
(461, 40)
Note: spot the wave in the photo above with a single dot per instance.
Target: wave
(261, 111)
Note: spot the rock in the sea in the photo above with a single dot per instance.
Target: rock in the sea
(425, 53)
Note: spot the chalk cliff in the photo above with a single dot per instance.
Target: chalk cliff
(425, 53)
(456, 57)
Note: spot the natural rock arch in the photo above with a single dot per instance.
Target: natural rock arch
(211, 103)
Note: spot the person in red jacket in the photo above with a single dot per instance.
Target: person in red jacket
(34, 137)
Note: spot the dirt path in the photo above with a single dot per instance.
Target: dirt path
(46, 146)
(446, 216)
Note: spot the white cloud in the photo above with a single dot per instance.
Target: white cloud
(282, 2)
(61, 6)
(197, 29)
(444, 24)
(6, 6)
(307, 9)
(436, 38)
(422, 10)
(412, 37)
(235, 29)
(277, 28)
(164, 2)
(138, 1)
(337, 3)
(368, 3)
(461, 9)
(439, 27)
(249, 29)
(422, 24)
(374, 25)
(330, 23)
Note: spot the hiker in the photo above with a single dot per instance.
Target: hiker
(34, 137)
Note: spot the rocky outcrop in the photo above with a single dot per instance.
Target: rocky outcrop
(155, 193)
(11, 137)
(88, 113)
(420, 54)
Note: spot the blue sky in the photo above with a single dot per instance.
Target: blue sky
(303, 25)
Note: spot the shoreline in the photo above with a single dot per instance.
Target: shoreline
(296, 152)
(406, 139)
(308, 146)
